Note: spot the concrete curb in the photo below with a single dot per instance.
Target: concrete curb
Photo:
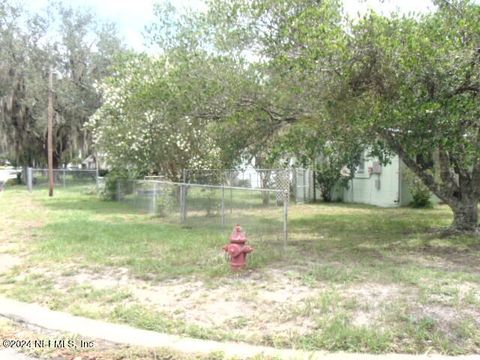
(121, 334)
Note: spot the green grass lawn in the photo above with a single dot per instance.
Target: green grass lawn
(353, 277)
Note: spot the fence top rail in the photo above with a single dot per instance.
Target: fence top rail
(249, 169)
(66, 170)
(210, 186)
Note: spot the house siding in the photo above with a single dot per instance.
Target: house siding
(376, 189)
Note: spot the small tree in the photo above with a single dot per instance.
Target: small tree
(329, 169)
(313, 147)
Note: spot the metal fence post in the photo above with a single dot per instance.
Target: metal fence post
(154, 199)
(304, 185)
(63, 177)
(285, 218)
(118, 190)
(294, 183)
(97, 185)
(30, 179)
(135, 200)
(183, 203)
(223, 206)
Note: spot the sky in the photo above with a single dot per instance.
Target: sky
(131, 16)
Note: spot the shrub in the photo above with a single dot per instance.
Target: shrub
(420, 193)
(421, 199)
(112, 179)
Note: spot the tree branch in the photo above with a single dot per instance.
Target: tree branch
(445, 170)
(466, 88)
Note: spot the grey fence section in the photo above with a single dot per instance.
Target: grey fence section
(301, 184)
(297, 181)
(100, 184)
(62, 178)
(263, 213)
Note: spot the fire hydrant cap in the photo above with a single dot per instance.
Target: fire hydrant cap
(238, 236)
(234, 250)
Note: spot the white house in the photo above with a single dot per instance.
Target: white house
(381, 185)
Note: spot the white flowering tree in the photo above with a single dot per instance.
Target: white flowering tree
(150, 121)
(195, 106)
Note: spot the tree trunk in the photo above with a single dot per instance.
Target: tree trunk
(461, 195)
(465, 215)
(265, 178)
(326, 194)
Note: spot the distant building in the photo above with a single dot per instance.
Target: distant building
(89, 163)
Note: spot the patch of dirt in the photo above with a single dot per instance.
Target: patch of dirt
(371, 298)
(376, 298)
(259, 304)
(8, 261)
(7, 247)
(249, 302)
(446, 260)
(443, 314)
(466, 258)
(99, 280)
(447, 318)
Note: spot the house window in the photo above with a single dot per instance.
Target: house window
(361, 164)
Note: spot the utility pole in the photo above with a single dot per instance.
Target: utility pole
(50, 133)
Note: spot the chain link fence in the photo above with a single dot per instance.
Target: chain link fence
(263, 213)
(62, 178)
(301, 184)
(294, 180)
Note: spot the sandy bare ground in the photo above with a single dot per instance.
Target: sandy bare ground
(266, 303)
(8, 261)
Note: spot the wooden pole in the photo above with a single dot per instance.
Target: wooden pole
(50, 133)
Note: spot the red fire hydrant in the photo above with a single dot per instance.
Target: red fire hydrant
(237, 249)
